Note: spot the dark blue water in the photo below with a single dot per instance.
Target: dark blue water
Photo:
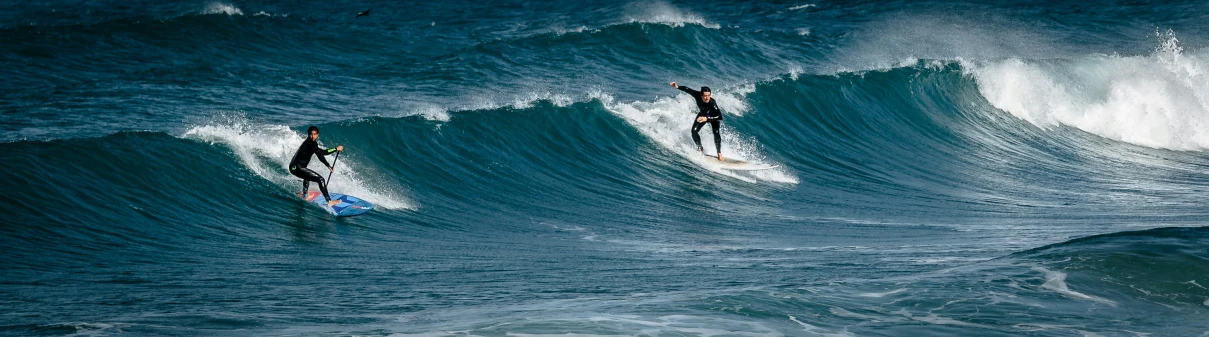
(943, 169)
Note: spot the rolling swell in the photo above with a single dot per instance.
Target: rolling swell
(1159, 265)
(922, 134)
(132, 193)
(1118, 276)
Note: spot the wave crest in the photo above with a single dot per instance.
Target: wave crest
(1153, 100)
(663, 13)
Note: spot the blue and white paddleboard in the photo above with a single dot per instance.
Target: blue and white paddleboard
(348, 206)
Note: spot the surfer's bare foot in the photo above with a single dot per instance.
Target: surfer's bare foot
(719, 156)
(332, 203)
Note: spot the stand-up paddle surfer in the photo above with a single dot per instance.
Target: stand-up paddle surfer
(310, 147)
(709, 112)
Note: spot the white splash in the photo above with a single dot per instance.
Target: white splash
(661, 12)
(221, 8)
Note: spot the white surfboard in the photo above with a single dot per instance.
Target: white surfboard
(740, 165)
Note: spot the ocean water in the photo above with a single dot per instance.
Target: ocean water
(985, 168)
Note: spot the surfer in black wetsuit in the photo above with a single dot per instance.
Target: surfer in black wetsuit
(303, 157)
(709, 112)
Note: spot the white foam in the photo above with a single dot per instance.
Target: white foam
(566, 334)
(633, 325)
(428, 111)
(803, 31)
(794, 70)
(405, 107)
(266, 150)
(794, 8)
(947, 260)
(845, 313)
(432, 112)
(936, 319)
(431, 334)
(1056, 281)
(1030, 327)
(559, 30)
(1193, 282)
(880, 295)
(1157, 100)
(267, 14)
(558, 99)
(819, 331)
(221, 8)
(667, 121)
(90, 329)
(661, 12)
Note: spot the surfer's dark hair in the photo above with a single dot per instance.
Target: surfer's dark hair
(704, 89)
(312, 128)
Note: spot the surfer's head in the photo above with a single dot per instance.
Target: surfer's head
(705, 93)
(312, 132)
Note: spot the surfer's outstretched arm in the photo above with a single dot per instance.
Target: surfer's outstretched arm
(690, 91)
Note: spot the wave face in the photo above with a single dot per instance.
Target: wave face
(941, 169)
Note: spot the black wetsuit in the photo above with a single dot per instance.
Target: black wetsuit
(712, 115)
(302, 158)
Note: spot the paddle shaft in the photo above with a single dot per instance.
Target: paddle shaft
(329, 175)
